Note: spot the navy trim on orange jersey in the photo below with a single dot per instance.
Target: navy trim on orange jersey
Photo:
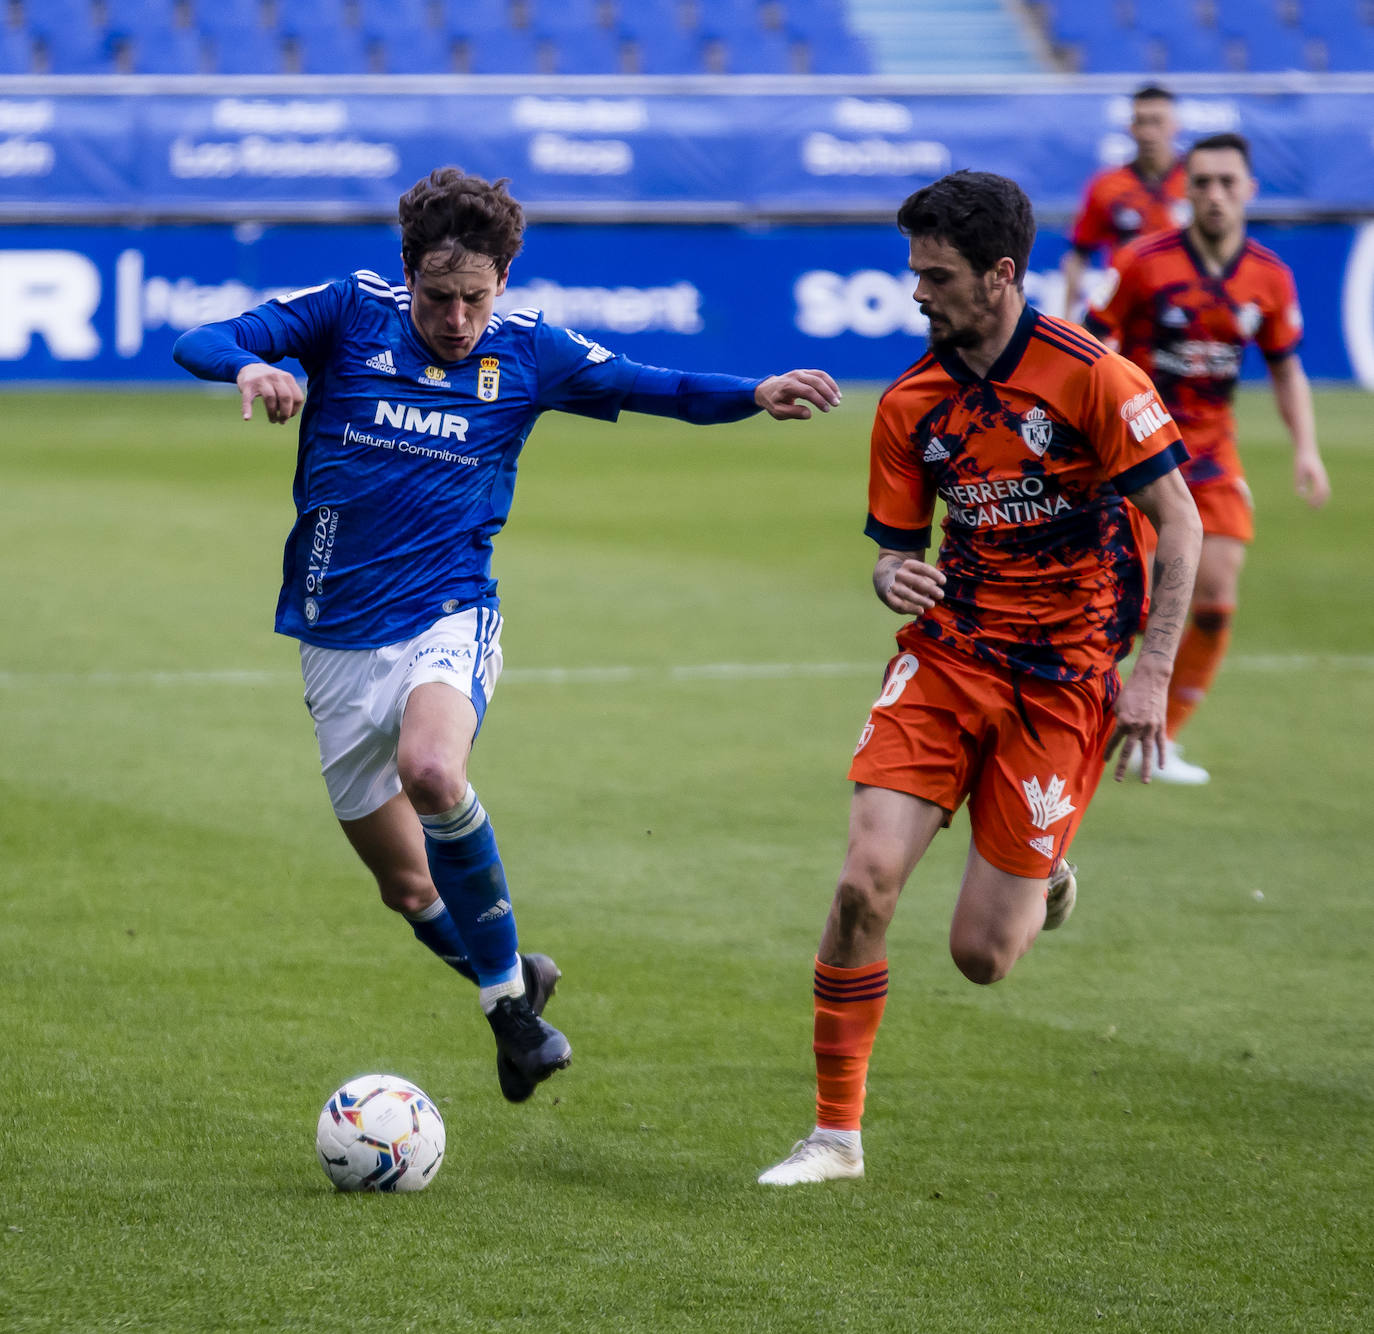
(1005, 366)
(1142, 474)
(1095, 325)
(1069, 340)
(1228, 269)
(1071, 333)
(897, 539)
(914, 369)
(1067, 348)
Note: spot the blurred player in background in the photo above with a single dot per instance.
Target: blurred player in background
(1182, 305)
(420, 399)
(1005, 691)
(1123, 203)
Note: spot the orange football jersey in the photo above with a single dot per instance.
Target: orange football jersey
(1043, 572)
(1187, 329)
(1120, 205)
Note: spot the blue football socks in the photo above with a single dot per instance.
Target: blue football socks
(434, 928)
(466, 868)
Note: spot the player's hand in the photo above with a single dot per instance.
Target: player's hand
(793, 394)
(908, 586)
(279, 390)
(1310, 480)
(1141, 710)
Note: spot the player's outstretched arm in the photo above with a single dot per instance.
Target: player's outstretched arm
(793, 394)
(904, 582)
(279, 390)
(1293, 394)
(1143, 704)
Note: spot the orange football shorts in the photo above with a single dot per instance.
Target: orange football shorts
(1226, 508)
(1025, 753)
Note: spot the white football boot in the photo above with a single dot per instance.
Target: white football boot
(1175, 768)
(1061, 895)
(824, 1155)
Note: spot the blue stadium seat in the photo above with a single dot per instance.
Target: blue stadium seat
(333, 51)
(128, 18)
(313, 18)
(1082, 23)
(78, 51)
(169, 51)
(16, 52)
(752, 51)
(388, 20)
(249, 51)
(503, 51)
(648, 19)
(470, 18)
(1189, 45)
(565, 16)
(667, 52)
(1269, 44)
(840, 52)
(428, 52)
(59, 18)
(216, 16)
(1123, 51)
(1340, 24)
(1353, 56)
(589, 51)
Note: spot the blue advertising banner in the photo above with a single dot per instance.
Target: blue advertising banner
(338, 149)
(106, 303)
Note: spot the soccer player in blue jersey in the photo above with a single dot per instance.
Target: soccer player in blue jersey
(419, 401)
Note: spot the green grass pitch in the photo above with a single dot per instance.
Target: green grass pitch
(1160, 1122)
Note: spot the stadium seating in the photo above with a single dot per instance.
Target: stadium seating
(161, 51)
(657, 36)
(16, 52)
(247, 51)
(430, 36)
(1160, 36)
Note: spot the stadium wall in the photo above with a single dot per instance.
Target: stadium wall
(106, 303)
(689, 222)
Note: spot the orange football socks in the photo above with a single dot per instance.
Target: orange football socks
(849, 1008)
(1199, 656)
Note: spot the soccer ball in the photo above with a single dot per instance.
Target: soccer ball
(380, 1132)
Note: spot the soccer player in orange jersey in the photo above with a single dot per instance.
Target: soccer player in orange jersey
(1182, 306)
(1123, 203)
(1004, 692)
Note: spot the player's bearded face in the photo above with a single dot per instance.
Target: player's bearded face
(956, 300)
(451, 297)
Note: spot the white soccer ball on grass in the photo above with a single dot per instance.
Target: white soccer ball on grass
(380, 1132)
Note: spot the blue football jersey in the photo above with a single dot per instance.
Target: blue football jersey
(406, 467)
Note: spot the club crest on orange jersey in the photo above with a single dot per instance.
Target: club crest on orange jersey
(1037, 430)
(489, 379)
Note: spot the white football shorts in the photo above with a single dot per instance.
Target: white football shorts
(358, 696)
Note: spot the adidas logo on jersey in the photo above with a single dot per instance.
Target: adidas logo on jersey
(935, 451)
(382, 362)
(1044, 844)
(1174, 317)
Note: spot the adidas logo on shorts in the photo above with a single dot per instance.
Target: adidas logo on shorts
(382, 362)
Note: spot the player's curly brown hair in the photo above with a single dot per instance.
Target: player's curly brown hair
(983, 216)
(450, 210)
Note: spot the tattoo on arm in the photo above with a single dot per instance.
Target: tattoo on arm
(1173, 588)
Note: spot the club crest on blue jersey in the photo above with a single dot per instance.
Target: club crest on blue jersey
(489, 379)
